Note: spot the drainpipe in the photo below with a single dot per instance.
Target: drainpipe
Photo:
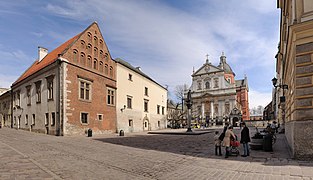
(58, 99)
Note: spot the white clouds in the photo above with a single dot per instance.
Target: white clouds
(257, 98)
(167, 41)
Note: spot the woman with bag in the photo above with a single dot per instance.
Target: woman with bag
(226, 141)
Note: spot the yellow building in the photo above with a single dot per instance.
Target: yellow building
(294, 87)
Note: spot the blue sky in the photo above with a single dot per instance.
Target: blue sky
(166, 38)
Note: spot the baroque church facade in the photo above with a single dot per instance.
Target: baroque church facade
(217, 97)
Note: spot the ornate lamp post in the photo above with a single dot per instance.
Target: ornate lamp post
(282, 98)
(189, 104)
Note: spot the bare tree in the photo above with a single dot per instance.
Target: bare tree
(179, 93)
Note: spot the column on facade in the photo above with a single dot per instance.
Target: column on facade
(202, 112)
(212, 113)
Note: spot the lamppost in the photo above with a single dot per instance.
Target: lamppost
(282, 98)
(189, 104)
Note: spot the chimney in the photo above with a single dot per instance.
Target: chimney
(42, 52)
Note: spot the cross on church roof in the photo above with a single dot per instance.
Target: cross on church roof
(207, 58)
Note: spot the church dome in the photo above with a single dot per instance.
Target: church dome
(223, 65)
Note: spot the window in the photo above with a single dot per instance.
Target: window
(28, 97)
(84, 118)
(95, 63)
(216, 82)
(106, 56)
(18, 98)
(84, 90)
(159, 123)
(158, 109)
(100, 117)
(95, 52)
(146, 124)
(26, 119)
(145, 105)
(146, 91)
(75, 55)
(50, 87)
(89, 61)
(101, 55)
(82, 58)
(82, 44)
(199, 85)
(38, 91)
(47, 119)
(34, 119)
(52, 119)
(110, 96)
(207, 85)
(106, 71)
(163, 110)
(130, 77)
(130, 123)
(89, 36)
(95, 40)
(111, 71)
(129, 102)
(89, 47)
(101, 43)
(101, 66)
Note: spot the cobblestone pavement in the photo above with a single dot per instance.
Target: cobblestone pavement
(26, 155)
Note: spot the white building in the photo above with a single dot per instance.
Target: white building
(141, 102)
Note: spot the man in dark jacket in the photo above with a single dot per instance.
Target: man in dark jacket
(245, 139)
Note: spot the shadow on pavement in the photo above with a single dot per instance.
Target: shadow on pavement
(203, 146)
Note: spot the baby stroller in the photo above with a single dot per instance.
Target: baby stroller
(234, 144)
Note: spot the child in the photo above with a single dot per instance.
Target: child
(217, 143)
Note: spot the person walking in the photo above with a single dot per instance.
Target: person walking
(226, 141)
(245, 139)
(217, 142)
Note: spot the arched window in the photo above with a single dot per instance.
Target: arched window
(199, 85)
(111, 71)
(95, 63)
(89, 61)
(106, 56)
(101, 43)
(106, 69)
(89, 36)
(101, 66)
(75, 55)
(207, 85)
(82, 58)
(82, 44)
(101, 55)
(89, 48)
(95, 39)
(96, 52)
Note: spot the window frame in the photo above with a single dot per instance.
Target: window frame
(129, 102)
(38, 91)
(84, 123)
(50, 84)
(111, 98)
(146, 105)
(28, 95)
(85, 82)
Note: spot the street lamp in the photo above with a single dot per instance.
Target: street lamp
(189, 104)
(282, 98)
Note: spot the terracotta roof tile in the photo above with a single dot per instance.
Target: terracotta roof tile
(47, 60)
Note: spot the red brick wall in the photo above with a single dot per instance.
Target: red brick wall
(99, 81)
(242, 98)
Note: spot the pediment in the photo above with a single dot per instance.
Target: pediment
(207, 69)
